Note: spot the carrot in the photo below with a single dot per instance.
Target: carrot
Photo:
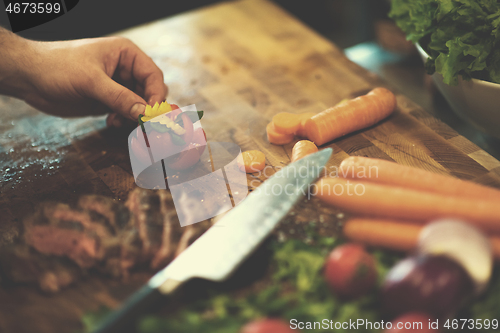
(393, 234)
(287, 123)
(308, 115)
(251, 161)
(380, 200)
(302, 149)
(276, 137)
(390, 173)
(356, 114)
(303, 118)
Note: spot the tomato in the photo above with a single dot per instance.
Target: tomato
(199, 137)
(267, 326)
(191, 154)
(412, 322)
(187, 158)
(350, 271)
(175, 111)
(161, 144)
(176, 157)
(188, 126)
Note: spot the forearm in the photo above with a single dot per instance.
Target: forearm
(15, 59)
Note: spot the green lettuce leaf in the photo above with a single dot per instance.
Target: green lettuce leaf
(462, 37)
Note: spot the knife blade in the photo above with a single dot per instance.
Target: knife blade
(220, 250)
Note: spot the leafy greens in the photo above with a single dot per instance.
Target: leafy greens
(462, 37)
(294, 289)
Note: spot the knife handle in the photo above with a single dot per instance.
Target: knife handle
(124, 319)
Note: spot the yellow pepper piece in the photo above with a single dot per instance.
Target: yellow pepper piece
(164, 108)
(156, 110)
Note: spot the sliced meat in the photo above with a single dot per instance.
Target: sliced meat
(56, 229)
(22, 264)
(60, 276)
(123, 251)
(53, 213)
(99, 233)
(171, 227)
(131, 250)
(54, 240)
(138, 211)
(115, 215)
(158, 225)
(61, 242)
(165, 251)
(144, 205)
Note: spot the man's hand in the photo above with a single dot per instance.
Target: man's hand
(81, 77)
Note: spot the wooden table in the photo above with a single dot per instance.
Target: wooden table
(241, 62)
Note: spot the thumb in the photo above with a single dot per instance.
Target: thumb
(118, 98)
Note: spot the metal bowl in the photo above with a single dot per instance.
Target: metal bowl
(475, 101)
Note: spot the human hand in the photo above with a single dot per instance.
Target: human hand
(88, 77)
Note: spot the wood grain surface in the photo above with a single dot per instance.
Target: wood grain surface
(241, 62)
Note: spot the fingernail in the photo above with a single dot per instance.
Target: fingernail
(137, 109)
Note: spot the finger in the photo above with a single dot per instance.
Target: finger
(124, 78)
(145, 72)
(68, 109)
(118, 98)
(151, 93)
(139, 90)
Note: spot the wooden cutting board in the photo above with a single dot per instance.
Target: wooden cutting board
(241, 62)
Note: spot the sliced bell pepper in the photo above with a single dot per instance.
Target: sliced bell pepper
(188, 157)
(172, 134)
(192, 153)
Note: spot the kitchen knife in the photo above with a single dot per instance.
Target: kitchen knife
(220, 250)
